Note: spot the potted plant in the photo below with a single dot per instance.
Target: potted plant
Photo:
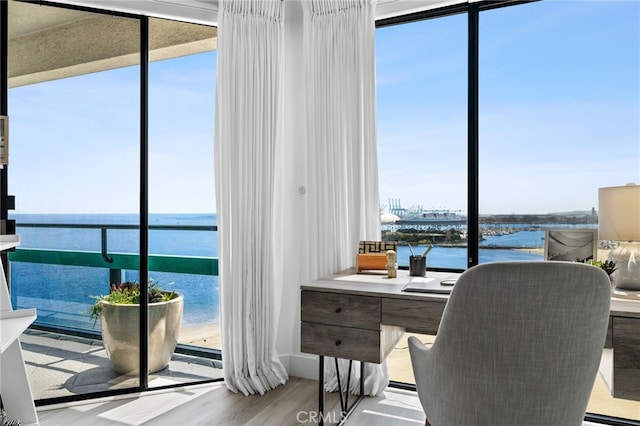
(119, 317)
(608, 266)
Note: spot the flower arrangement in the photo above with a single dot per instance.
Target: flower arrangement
(128, 293)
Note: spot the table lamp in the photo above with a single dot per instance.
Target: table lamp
(619, 220)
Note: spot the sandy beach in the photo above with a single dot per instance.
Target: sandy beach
(205, 335)
(601, 256)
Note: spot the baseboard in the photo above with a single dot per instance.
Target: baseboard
(301, 365)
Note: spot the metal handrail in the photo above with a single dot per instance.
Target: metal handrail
(117, 226)
(197, 265)
(117, 261)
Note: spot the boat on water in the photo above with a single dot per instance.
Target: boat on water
(417, 215)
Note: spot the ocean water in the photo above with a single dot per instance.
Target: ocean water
(456, 257)
(63, 295)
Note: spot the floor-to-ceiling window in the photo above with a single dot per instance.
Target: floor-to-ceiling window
(422, 147)
(88, 162)
(75, 167)
(182, 220)
(422, 138)
(559, 118)
(558, 115)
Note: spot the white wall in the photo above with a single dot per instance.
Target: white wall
(288, 341)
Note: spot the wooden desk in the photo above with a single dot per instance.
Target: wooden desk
(362, 317)
(622, 374)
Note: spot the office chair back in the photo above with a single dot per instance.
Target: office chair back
(519, 344)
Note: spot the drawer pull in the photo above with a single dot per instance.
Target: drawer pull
(338, 342)
(338, 310)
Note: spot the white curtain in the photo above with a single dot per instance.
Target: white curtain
(343, 200)
(248, 121)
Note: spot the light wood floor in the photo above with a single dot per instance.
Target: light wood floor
(295, 403)
(209, 404)
(72, 366)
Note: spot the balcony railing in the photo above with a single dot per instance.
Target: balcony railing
(114, 262)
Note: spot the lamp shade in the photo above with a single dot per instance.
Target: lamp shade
(619, 213)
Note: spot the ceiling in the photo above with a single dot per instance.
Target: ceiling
(206, 11)
(47, 43)
(194, 11)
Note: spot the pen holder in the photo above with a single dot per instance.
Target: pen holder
(417, 266)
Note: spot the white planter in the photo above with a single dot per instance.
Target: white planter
(121, 334)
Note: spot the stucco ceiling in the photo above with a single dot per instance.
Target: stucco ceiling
(47, 43)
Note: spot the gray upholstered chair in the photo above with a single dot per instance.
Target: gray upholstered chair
(519, 344)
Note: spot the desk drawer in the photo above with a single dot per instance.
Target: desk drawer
(417, 316)
(626, 363)
(340, 309)
(341, 342)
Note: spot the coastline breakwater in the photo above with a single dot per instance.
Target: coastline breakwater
(455, 236)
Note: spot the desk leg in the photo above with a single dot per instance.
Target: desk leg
(346, 410)
(362, 378)
(321, 390)
(344, 403)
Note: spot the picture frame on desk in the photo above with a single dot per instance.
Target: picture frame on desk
(4, 140)
(571, 245)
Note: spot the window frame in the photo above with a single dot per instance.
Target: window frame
(473, 227)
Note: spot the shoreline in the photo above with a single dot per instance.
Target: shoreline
(206, 335)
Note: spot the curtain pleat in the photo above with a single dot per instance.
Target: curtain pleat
(248, 120)
(344, 205)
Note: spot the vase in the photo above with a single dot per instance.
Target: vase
(121, 334)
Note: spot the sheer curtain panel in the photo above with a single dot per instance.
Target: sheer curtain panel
(248, 118)
(343, 200)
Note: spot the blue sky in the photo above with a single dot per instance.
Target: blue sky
(74, 146)
(559, 117)
(559, 107)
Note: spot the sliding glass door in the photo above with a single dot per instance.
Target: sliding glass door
(98, 142)
(74, 98)
(183, 236)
